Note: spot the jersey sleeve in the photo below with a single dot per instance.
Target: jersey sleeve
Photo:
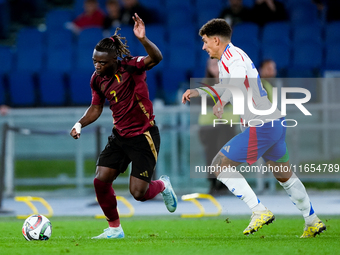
(207, 90)
(135, 64)
(97, 97)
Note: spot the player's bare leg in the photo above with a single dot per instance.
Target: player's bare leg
(238, 185)
(142, 191)
(284, 174)
(298, 195)
(138, 188)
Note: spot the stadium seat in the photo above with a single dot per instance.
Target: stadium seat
(202, 5)
(61, 60)
(80, 91)
(252, 50)
(56, 19)
(307, 55)
(246, 31)
(87, 40)
(332, 34)
(246, 37)
(280, 52)
(30, 59)
(204, 15)
(276, 32)
(301, 73)
(332, 56)
(174, 5)
(78, 7)
(60, 51)
(2, 90)
(30, 49)
(30, 37)
(83, 60)
(303, 13)
(181, 15)
(199, 71)
(182, 57)
(172, 80)
(59, 38)
(7, 54)
(182, 52)
(52, 88)
(89, 37)
(184, 35)
(22, 89)
(156, 33)
(201, 55)
(311, 32)
(152, 81)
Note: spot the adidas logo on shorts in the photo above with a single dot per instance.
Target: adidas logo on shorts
(145, 174)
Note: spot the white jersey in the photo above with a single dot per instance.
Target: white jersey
(237, 69)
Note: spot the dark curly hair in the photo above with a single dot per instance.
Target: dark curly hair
(216, 27)
(114, 44)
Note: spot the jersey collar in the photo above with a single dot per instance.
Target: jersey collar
(227, 47)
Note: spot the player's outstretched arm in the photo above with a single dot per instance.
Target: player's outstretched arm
(189, 94)
(91, 115)
(154, 54)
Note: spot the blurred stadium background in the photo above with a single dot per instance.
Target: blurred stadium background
(43, 110)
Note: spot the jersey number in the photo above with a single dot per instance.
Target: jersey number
(114, 95)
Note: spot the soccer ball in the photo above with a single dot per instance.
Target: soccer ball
(37, 227)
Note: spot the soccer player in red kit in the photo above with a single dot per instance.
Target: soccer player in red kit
(135, 137)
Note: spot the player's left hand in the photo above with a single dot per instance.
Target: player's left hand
(218, 110)
(139, 27)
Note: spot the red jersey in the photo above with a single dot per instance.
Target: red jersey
(128, 95)
(87, 21)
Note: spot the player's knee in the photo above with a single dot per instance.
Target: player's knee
(216, 160)
(138, 194)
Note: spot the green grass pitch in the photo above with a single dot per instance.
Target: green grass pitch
(173, 235)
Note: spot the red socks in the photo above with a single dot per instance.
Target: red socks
(155, 187)
(107, 200)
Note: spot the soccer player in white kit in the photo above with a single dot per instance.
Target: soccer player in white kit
(264, 137)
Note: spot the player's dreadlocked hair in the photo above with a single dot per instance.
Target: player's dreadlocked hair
(114, 44)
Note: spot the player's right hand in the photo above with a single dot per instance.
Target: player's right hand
(75, 131)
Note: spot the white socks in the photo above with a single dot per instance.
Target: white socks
(238, 185)
(297, 193)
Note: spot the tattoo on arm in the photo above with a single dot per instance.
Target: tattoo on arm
(218, 160)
